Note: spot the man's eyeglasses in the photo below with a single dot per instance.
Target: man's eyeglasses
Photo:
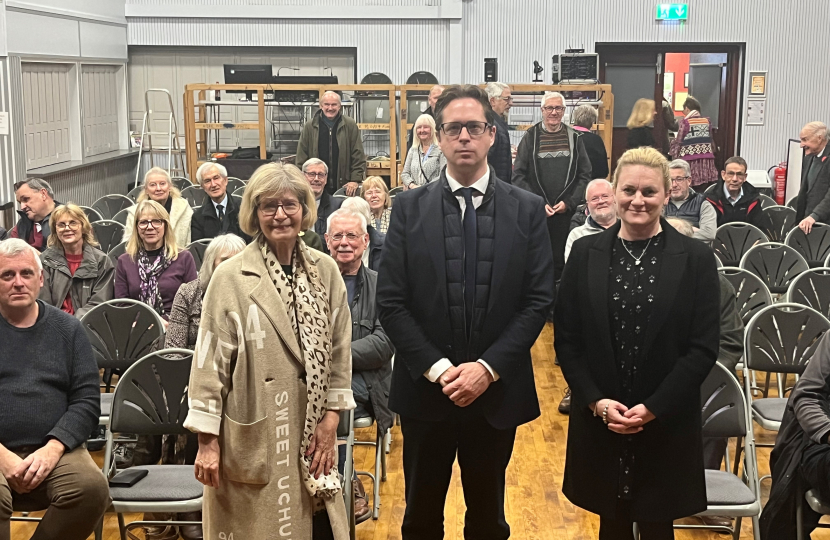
(679, 179)
(601, 198)
(733, 174)
(551, 110)
(146, 223)
(453, 129)
(351, 237)
(312, 175)
(269, 209)
(74, 225)
(508, 99)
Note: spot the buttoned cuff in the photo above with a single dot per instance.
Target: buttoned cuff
(491, 370)
(437, 369)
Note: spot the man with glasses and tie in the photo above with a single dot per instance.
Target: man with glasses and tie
(463, 290)
(220, 212)
(552, 162)
(734, 199)
(685, 203)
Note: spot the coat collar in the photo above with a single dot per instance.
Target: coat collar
(55, 258)
(208, 209)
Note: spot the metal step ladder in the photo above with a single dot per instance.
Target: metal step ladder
(175, 161)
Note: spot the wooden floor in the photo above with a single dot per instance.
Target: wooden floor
(535, 506)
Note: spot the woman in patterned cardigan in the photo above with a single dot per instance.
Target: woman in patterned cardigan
(694, 144)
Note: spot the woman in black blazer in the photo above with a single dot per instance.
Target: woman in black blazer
(636, 333)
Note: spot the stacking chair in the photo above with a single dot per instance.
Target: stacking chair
(718, 262)
(725, 414)
(116, 252)
(109, 205)
(135, 192)
(239, 191)
(234, 184)
(91, 214)
(181, 182)
(394, 191)
(780, 219)
(194, 195)
(814, 247)
(732, 240)
(776, 264)
(766, 201)
(817, 505)
(152, 400)
(812, 289)
(108, 233)
(380, 461)
(793, 202)
(197, 248)
(122, 216)
(752, 294)
(345, 430)
(340, 192)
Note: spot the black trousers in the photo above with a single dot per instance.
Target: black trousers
(815, 469)
(559, 226)
(429, 451)
(622, 527)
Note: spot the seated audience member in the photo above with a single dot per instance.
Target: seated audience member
(602, 210)
(734, 199)
(76, 275)
(800, 460)
(375, 192)
(159, 187)
(685, 203)
(814, 193)
(50, 405)
(373, 253)
(316, 172)
(36, 200)
(153, 268)
(220, 213)
(424, 160)
(583, 119)
(372, 349)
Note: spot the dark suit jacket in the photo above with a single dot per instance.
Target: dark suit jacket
(414, 311)
(817, 199)
(500, 155)
(328, 204)
(205, 223)
(681, 346)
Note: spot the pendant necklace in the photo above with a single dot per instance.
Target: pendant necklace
(637, 259)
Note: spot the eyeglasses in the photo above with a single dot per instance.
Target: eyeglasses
(508, 99)
(351, 237)
(601, 198)
(453, 129)
(679, 179)
(269, 209)
(550, 110)
(312, 175)
(74, 225)
(733, 174)
(371, 192)
(146, 223)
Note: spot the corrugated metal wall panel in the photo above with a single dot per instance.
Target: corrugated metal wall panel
(86, 185)
(393, 3)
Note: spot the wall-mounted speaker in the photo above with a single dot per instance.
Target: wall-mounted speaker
(491, 69)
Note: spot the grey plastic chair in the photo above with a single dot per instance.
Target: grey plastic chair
(752, 295)
(122, 216)
(814, 247)
(194, 195)
(725, 415)
(380, 462)
(812, 289)
(817, 505)
(718, 262)
(234, 184)
(780, 220)
(776, 264)
(197, 248)
(109, 205)
(792, 203)
(732, 240)
(766, 201)
(108, 233)
(181, 182)
(152, 400)
(135, 192)
(239, 191)
(116, 252)
(341, 192)
(91, 214)
(394, 191)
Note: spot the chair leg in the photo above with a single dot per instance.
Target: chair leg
(736, 533)
(379, 456)
(121, 527)
(388, 440)
(799, 518)
(99, 529)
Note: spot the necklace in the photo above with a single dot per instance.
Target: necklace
(637, 259)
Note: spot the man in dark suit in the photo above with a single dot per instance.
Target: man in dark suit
(500, 155)
(814, 196)
(317, 172)
(220, 212)
(463, 378)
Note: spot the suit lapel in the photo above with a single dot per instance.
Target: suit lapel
(506, 213)
(432, 224)
(599, 261)
(669, 282)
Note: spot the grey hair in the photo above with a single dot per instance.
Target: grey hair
(596, 181)
(495, 89)
(158, 171)
(13, 247)
(331, 93)
(347, 212)
(221, 245)
(681, 164)
(818, 128)
(315, 161)
(359, 205)
(584, 116)
(552, 95)
(682, 226)
(36, 184)
(204, 167)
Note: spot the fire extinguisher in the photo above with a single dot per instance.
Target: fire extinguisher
(781, 183)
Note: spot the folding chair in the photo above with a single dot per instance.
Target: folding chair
(812, 289)
(814, 247)
(732, 240)
(776, 264)
(195, 195)
(109, 205)
(108, 233)
(197, 248)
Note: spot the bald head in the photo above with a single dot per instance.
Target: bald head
(813, 137)
(330, 104)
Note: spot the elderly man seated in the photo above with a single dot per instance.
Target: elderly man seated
(734, 199)
(49, 404)
(372, 350)
(220, 213)
(602, 212)
(685, 203)
(316, 172)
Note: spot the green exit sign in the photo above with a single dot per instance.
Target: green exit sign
(672, 12)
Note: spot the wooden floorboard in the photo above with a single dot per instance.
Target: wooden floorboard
(535, 506)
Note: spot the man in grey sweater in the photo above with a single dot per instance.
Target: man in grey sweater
(49, 403)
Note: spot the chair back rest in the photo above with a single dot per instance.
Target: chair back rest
(109, 205)
(793, 203)
(723, 405)
(340, 192)
(181, 182)
(814, 247)
(108, 233)
(151, 396)
(234, 184)
(812, 289)
(122, 216)
(197, 248)
(718, 262)
(782, 338)
(750, 292)
(780, 219)
(239, 192)
(121, 331)
(776, 264)
(135, 192)
(194, 195)
(766, 201)
(732, 240)
(91, 214)
(116, 252)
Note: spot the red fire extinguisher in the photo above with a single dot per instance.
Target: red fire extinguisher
(781, 183)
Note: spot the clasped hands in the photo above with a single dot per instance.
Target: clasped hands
(464, 383)
(621, 419)
(25, 475)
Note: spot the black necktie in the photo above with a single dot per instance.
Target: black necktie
(220, 211)
(470, 254)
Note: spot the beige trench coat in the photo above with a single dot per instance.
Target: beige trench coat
(246, 387)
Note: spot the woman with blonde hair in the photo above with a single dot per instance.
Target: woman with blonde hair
(159, 187)
(424, 161)
(276, 331)
(76, 275)
(641, 124)
(153, 267)
(375, 192)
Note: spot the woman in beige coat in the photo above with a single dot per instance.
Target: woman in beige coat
(271, 373)
(159, 187)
